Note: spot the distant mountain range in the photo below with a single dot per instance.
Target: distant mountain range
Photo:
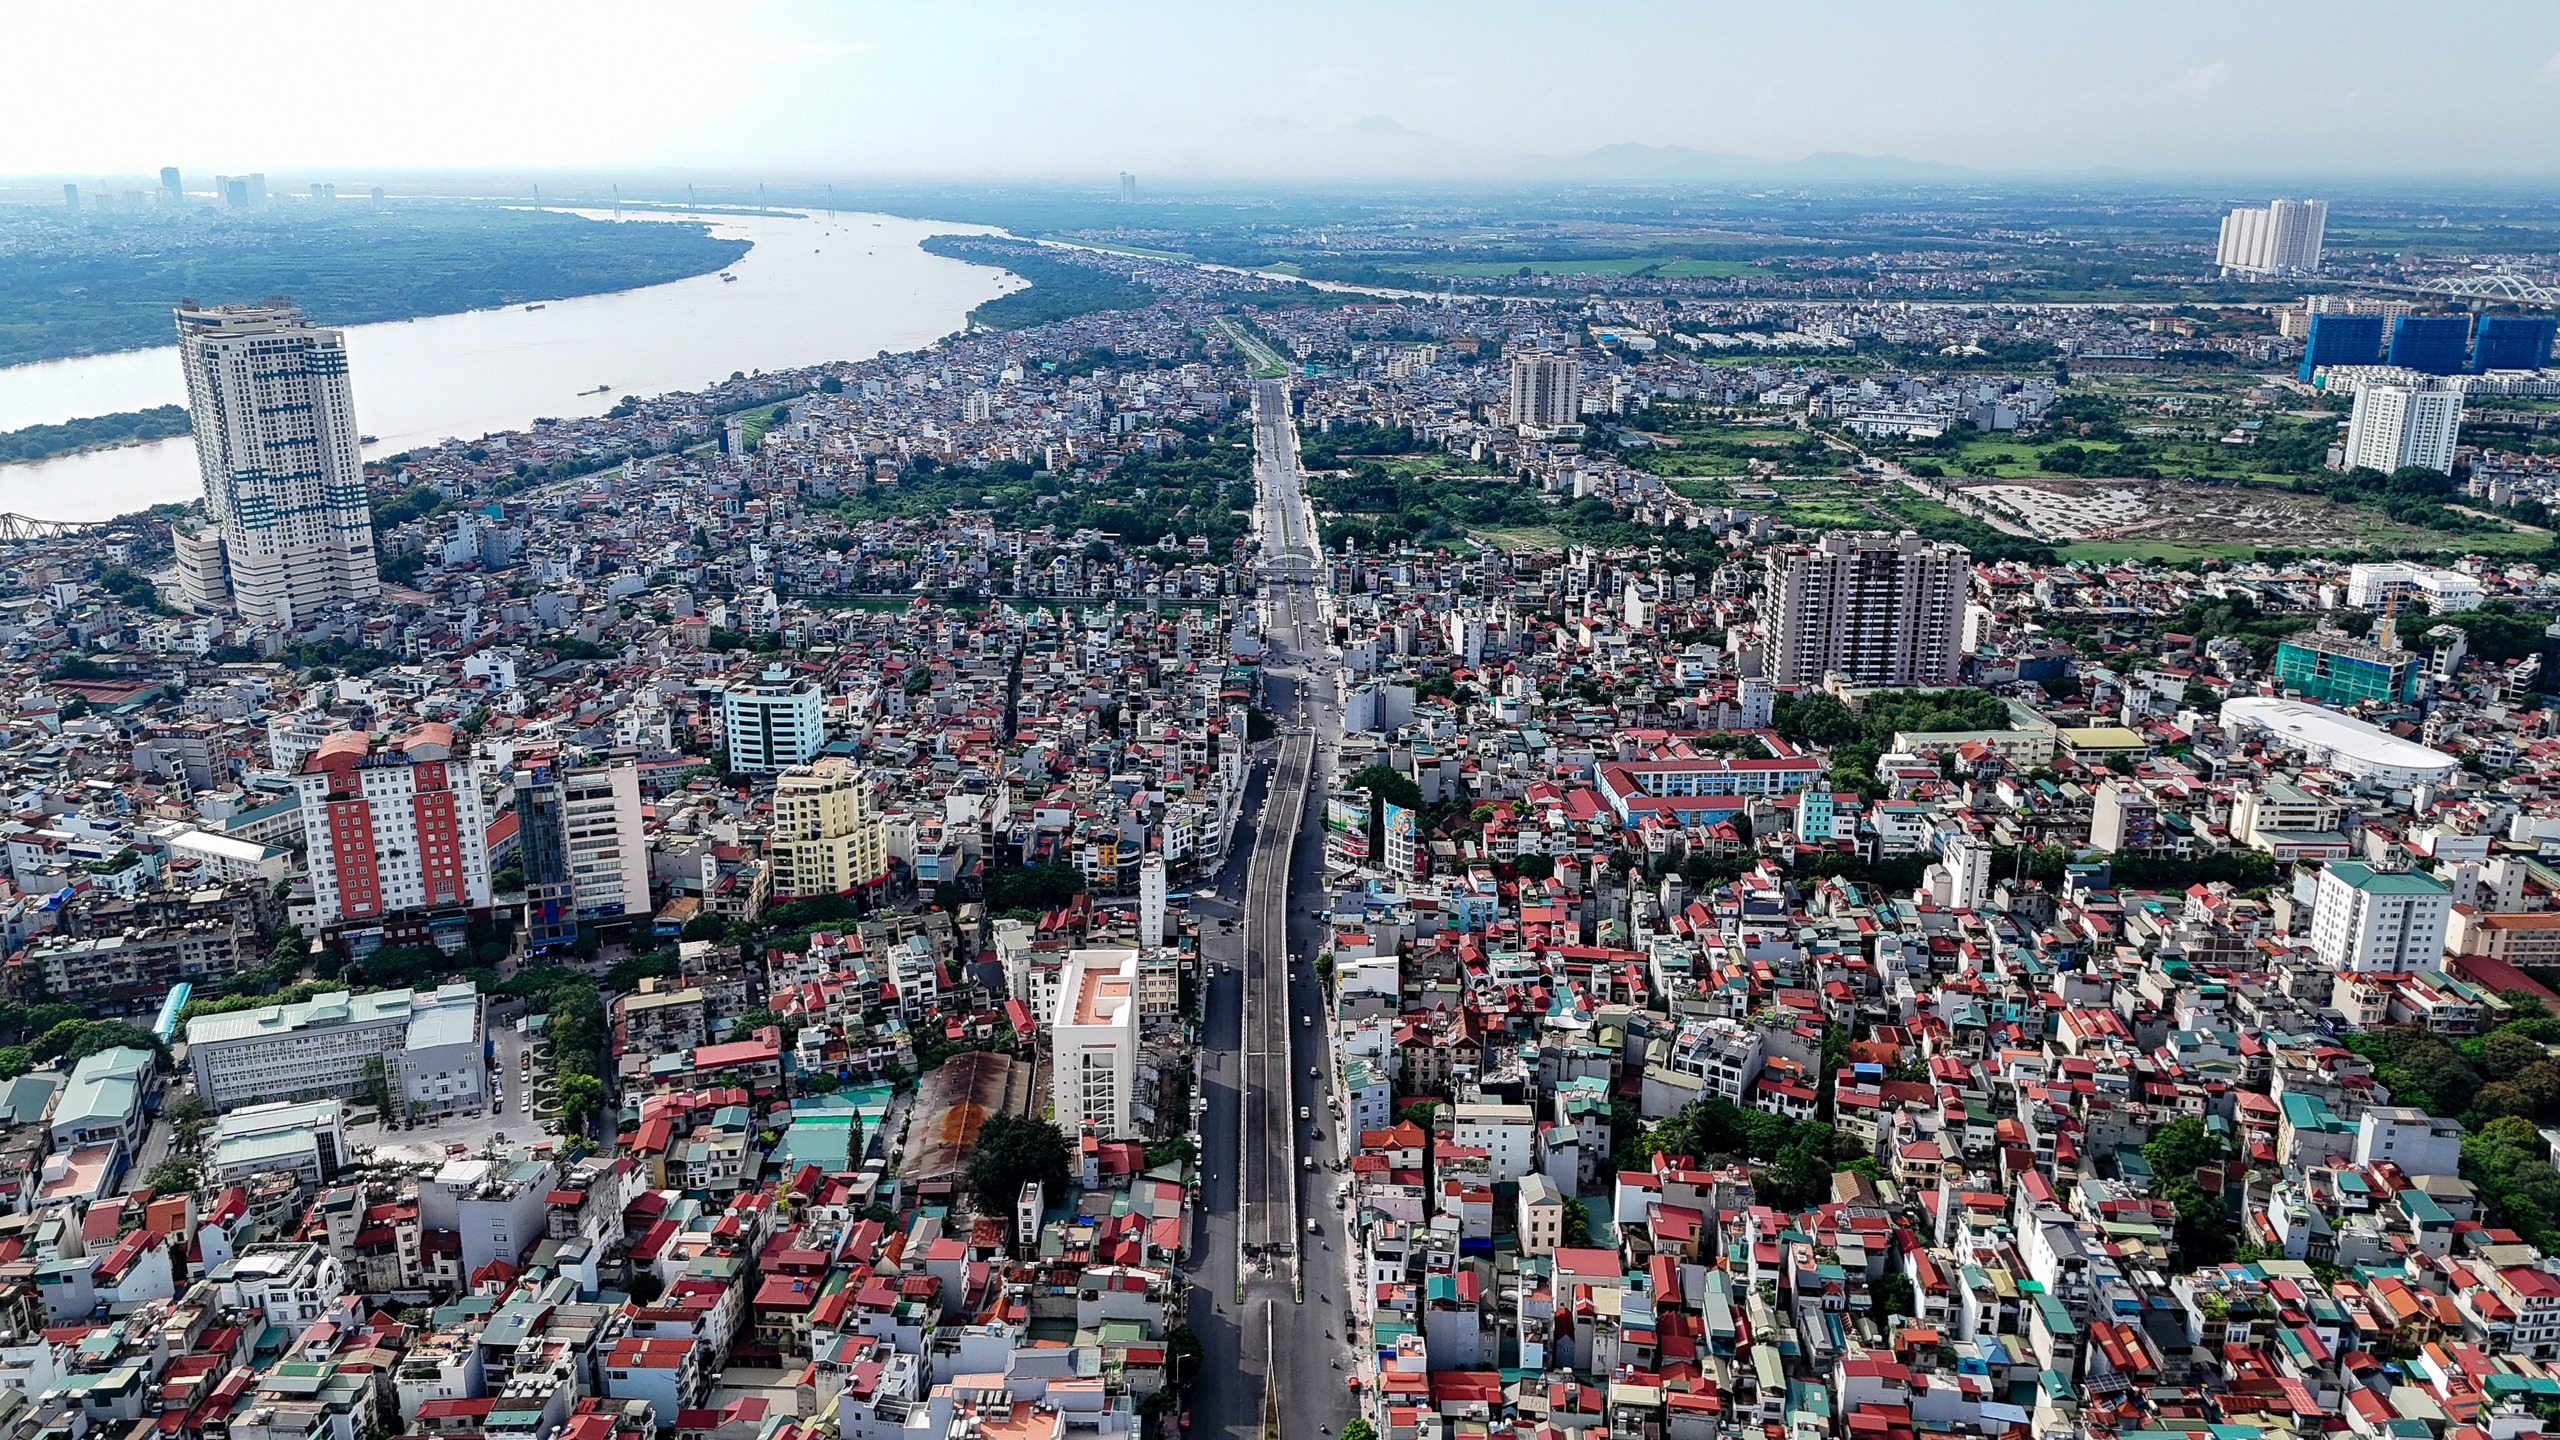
(1679, 162)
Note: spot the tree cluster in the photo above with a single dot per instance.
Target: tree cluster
(1793, 1159)
(1011, 1152)
(2176, 1151)
(1044, 886)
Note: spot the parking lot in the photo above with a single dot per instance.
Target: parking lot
(429, 1138)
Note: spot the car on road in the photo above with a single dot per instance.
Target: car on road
(1304, 1112)
(1312, 1227)
(1306, 1019)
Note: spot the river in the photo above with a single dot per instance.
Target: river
(814, 288)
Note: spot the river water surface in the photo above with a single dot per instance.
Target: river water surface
(813, 289)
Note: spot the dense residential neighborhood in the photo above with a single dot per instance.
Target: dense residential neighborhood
(1815, 936)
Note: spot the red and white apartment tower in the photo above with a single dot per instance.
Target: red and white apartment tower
(398, 835)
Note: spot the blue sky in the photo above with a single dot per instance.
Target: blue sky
(1197, 91)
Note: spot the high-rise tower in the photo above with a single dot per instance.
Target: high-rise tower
(1546, 390)
(1876, 609)
(276, 440)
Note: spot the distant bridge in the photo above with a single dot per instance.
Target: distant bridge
(25, 527)
(2496, 286)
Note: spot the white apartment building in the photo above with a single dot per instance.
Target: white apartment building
(2419, 1143)
(608, 847)
(2392, 425)
(1151, 902)
(2372, 585)
(1546, 391)
(1875, 609)
(1969, 866)
(1507, 1134)
(2363, 919)
(1724, 1053)
(499, 1208)
(2281, 238)
(1093, 1040)
(773, 722)
(276, 445)
(430, 1046)
(202, 587)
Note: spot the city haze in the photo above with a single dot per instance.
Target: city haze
(1303, 91)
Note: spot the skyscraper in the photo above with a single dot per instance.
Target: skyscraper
(1877, 609)
(275, 430)
(2513, 342)
(2396, 425)
(2283, 238)
(2340, 340)
(71, 197)
(1546, 391)
(2430, 344)
(170, 188)
(1128, 188)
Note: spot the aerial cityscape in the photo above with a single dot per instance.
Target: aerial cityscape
(1122, 723)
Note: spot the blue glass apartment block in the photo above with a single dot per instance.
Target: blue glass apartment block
(2513, 342)
(2431, 344)
(2341, 340)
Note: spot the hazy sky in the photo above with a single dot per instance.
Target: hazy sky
(1205, 90)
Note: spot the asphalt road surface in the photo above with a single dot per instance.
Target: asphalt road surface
(1263, 1060)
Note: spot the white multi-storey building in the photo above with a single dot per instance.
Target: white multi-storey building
(1093, 1038)
(1151, 902)
(2363, 919)
(1875, 609)
(292, 736)
(2281, 238)
(773, 722)
(293, 1283)
(276, 444)
(2370, 586)
(1969, 867)
(429, 1045)
(607, 843)
(1505, 1133)
(2392, 425)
